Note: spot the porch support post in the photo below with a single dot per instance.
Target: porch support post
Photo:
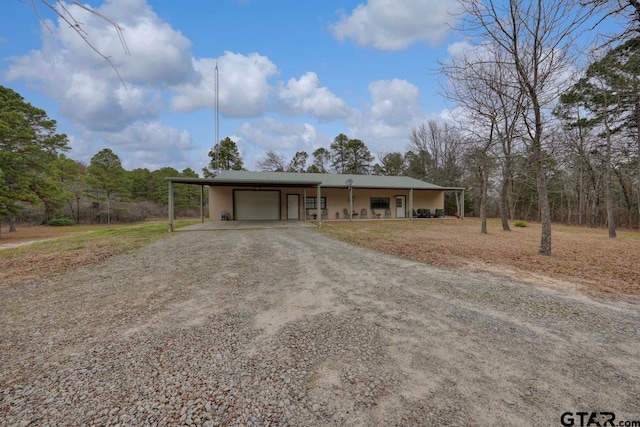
(202, 203)
(411, 204)
(170, 208)
(304, 202)
(462, 206)
(319, 207)
(350, 203)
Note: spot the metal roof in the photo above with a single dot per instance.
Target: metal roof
(245, 178)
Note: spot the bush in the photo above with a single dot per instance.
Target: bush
(61, 222)
(520, 224)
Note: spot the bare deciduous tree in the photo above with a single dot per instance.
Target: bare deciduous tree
(272, 162)
(482, 83)
(537, 38)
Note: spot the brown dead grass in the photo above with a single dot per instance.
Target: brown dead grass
(582, 258)
(34, 253)
(25, 234)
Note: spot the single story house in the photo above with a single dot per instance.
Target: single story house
(244, 195)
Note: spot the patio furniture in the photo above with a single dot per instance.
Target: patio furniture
(424, 213)
(374, 214)
(363, 213)
(387, 213)
(439, 213)
(325, 214)
(345, 212)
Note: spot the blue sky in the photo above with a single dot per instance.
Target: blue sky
(292, 74)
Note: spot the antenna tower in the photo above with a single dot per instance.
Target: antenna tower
(217, 124)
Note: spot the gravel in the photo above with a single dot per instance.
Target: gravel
(289, 327)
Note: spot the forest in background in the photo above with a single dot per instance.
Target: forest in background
(528, 142)
(41, 184)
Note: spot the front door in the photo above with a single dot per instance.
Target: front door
(400, 210)
(293, 206)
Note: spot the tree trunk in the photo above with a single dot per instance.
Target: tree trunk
(594, 209)
(581, 204)
(108, 211)
(610, 208)
(78, 209)
(543, 200)
(73, 214)
(504, 196)
(12, 224)
(638, 147)
(483, 201)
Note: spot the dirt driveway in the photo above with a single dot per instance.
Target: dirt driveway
(289, 327)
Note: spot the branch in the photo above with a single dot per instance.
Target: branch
(64, 14)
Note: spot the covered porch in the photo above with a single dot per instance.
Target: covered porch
(281, 196)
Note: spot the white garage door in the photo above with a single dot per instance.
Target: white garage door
(251, 205)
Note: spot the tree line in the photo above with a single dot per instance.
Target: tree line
(35, 171)
(535, 118)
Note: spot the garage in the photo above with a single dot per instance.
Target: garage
(256, 205)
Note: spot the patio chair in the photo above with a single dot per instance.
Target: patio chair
(387, 213)
(325, 214)
(345, 212)
(374, 214)
(363, 213)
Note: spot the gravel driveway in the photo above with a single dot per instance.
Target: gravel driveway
(289, 327)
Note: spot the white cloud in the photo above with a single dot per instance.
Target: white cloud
(305, 96)
(459, 49)
(153, 145)
(243, 85)
(395, 25)
(271, 134)
(256, 138)
(387, 123)
(149, 145)
(158, 53)
(87, 88)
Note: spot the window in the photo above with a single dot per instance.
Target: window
(380, 203)
(312, 203)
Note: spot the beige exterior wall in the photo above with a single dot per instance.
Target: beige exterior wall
(221, 199)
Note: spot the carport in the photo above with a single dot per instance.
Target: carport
(247, 185)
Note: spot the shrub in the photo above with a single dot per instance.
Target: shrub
(61, 222)
(520, 224)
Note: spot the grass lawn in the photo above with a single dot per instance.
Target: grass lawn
(57, 249)
(582, 257)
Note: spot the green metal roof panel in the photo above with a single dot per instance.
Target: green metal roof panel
(325, 180)
(240, 177)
